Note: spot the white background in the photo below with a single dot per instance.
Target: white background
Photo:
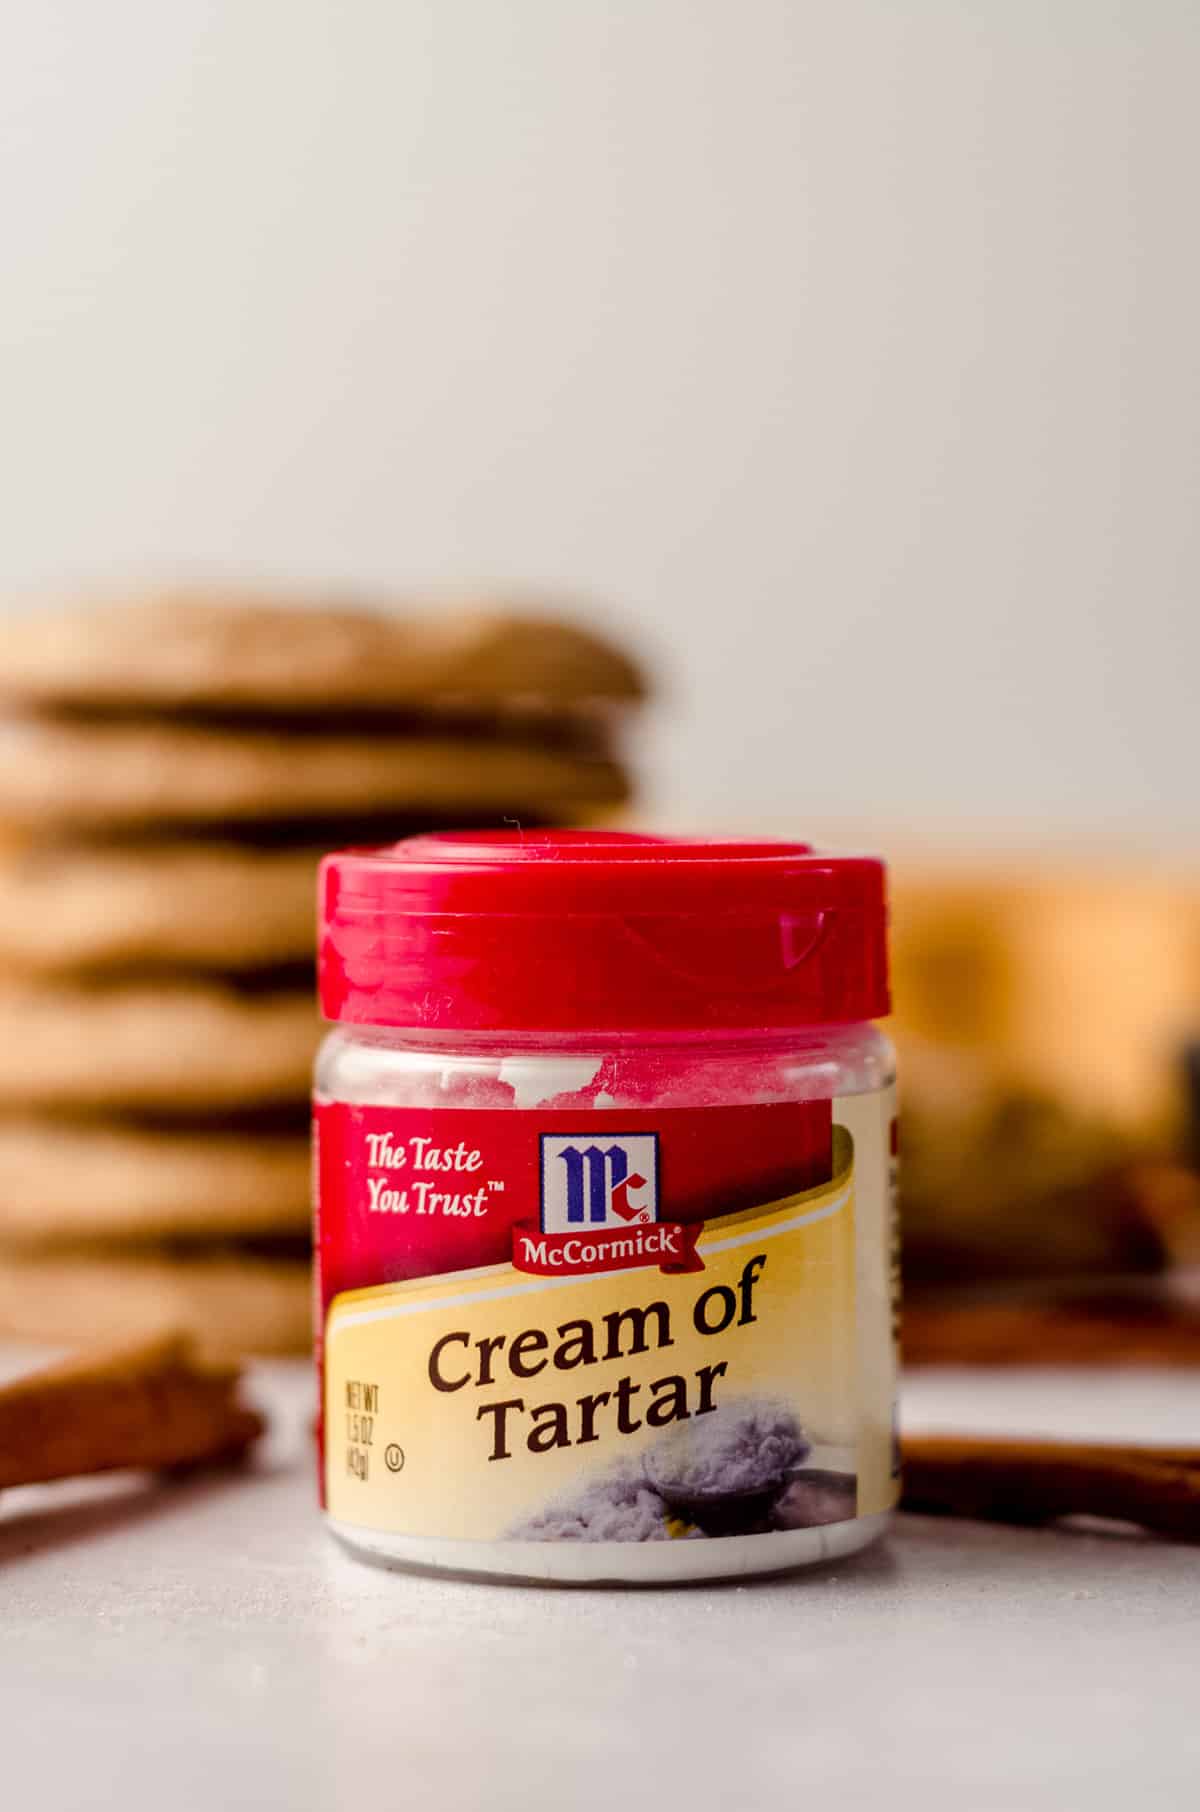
(845, 353)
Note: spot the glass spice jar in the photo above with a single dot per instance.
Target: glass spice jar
(606, 1265)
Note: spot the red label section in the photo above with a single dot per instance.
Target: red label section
(414, 1192)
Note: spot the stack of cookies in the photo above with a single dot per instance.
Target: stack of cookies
(170, 771)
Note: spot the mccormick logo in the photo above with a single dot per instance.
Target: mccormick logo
(599, 1210)
(590, 1182)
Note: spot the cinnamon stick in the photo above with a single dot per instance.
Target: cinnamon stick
(151, 1406)
(1014, 1481)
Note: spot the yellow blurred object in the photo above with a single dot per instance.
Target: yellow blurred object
(1083, 986)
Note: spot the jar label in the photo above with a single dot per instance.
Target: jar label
(606, 1325)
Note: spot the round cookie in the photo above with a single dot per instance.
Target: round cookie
(119, 774)
(231, 1303)
(203, 650)
(94, 1182)
(169, 1049)
(67, 907)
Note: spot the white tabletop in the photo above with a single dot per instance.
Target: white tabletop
(206, 1644)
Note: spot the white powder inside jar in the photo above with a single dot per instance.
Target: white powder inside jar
(532, 1079)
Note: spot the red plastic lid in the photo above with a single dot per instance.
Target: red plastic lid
(577, 931)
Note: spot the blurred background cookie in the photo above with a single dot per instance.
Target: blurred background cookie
(80, 908)
(105, 1182)
(233, 1298)
(180, 649)
(166, 1047)
(104, 774)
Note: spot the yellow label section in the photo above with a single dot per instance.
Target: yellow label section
(631, 1405)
